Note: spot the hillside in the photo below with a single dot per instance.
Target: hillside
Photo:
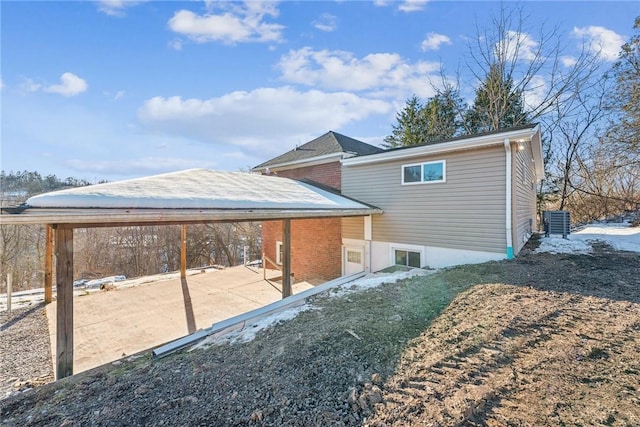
(545, 339)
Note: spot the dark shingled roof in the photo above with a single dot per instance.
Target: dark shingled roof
(329, 143)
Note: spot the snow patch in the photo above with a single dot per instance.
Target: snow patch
(620, 236)
(373, 280)
(249, 331)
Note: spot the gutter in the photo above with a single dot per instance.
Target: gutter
(471, 142)
(507, 148)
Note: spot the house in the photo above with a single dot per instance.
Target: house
(470, 199)
(315, 243)
(466, 200)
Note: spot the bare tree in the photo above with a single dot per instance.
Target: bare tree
(575, 120)
(523, 64)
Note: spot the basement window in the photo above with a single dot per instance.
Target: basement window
(427, 172)
(407, 258)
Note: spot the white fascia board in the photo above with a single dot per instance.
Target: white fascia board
(311, 161)
(76, 218)
(445, 147)
(536, 149)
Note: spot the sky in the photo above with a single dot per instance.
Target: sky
(111, 90)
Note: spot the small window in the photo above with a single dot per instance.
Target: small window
(407, 258)
(279, 253)
(412, 173)
(427, 172)
(354, 256)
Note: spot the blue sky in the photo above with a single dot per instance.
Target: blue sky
(120, 89)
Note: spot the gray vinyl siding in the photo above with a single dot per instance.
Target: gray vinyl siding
(353, 228)
(524, 193)
(465, 212)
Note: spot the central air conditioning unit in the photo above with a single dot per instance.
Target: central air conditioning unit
(556, 222)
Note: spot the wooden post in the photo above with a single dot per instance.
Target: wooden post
(286, 258)
(48, 265)
(183, 252)
(9, 292)
(64, 316)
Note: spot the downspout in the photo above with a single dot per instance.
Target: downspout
(507, 148)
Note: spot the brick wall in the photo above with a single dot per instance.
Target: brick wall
(316, 247)
(327, 174)
(316, 244)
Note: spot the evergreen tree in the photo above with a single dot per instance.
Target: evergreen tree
(497, 105)
(410, 128)
(432, 122)
(441, 115)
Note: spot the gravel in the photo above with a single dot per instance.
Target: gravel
(25, 350)
(540, 340)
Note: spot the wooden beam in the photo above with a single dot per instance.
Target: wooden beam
(183, 252)
(93, 218)
(64, 315)
(286, 258)
(48, 265)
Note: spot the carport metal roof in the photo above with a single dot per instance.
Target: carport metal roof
(187, 197)
(191, 196)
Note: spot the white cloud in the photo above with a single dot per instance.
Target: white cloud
(434, 41)
(382, 74)
(605, 42)
(265, 118)
(1, 83)
(116, 7)
(175, 44)
(569, 61)
(536, 92)
(115, 96)
(326, 22)
(70, 85)
(518, 45)
(236, 24)
(28, 85)
(413, 5)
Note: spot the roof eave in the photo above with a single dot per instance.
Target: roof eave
(457, 145)
(310, 161)
(80, 218)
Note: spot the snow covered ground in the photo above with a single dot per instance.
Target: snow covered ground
(620, 236)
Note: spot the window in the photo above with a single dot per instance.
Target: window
(407, 258)
(279, 253)
(427, 172)
(354, 256)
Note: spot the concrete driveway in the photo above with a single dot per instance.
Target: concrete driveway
(109, 325)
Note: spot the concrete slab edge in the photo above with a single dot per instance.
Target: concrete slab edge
(238, 323)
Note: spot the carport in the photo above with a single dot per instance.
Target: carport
(181, 198)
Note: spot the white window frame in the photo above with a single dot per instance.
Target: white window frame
(444, 172)
(279, 253)
(407, 248)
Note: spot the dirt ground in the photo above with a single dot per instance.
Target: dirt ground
(540, 340)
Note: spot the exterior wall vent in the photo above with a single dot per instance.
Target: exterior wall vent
(556, 222)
